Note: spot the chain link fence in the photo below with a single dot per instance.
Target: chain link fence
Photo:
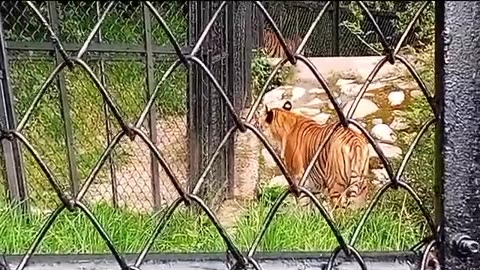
(64, 114)
(342, 30)
(137, 105)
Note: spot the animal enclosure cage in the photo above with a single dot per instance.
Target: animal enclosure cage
(101, 81)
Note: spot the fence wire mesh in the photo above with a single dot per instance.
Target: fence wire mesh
(101, 150)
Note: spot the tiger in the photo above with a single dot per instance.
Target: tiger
(340, 172)
(272, 46)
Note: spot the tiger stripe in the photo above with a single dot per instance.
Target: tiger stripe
(273, 47)
(341, 169)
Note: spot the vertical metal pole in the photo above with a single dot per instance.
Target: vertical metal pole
(335, 30)
(458, 97)
(239, 48)
(152, 116)
(12, 157)
(111, 162)
(194, 85)
(67, 120)
(233, 53)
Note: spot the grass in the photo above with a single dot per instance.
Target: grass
(290, 230)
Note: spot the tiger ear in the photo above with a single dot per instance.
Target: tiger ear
(266, 109)
(269, 118)
(287, 106)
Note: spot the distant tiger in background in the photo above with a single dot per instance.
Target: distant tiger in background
(341, 169)
(272, 46)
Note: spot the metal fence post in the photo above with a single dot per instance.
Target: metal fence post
(335, 28)
(152, 115)
(67, 119)
(458, 98)
(12, 155)
(239, 71)
(106, 111)
(193, 107)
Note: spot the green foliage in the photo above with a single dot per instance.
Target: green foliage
(262, 68)
(420, 170)
(423, 30)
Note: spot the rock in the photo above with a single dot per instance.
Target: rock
(321, 118)
(316, 91)
(364, 108)
(308, 111)
(416, 93)
(380, 175)
(383, 133)
(390, 151)
(273, 97)
(339, 102)
(375, 86)
(396, 98)
(342, 82)
(316, 102)
(351, 90)
(350, 74)
(399, 124)
(269, 161)
(377, 121)
(407, 85)
(278, 181)
(297, 92)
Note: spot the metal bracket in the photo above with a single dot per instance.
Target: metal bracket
(464, 245)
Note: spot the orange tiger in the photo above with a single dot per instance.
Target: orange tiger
(341, 169)
(272, 46)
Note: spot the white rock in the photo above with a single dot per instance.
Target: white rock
(416, 93)
(342, 82)
(396, 98)
(364, 108)
(407, 85)
(383, 133)
(315, 102)
(298, 92)
(316, 91)
(309, 111)
(321, 118)
(273, 97)
(375, 86)
(269, 161)
(399, 123)
(339, 102)
(278, 181)
(380, 175)
(377, 121)
(390, 151)
(351, 90)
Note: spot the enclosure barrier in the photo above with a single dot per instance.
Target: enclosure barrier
(455, 106)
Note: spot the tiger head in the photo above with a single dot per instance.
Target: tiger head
(279, 121)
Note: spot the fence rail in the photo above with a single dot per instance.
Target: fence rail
(198, 116)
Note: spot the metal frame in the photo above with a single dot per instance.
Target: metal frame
(455, 101)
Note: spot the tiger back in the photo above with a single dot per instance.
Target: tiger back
(273, 47)
(341, 169)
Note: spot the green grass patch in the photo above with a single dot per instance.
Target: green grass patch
(291, 230)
